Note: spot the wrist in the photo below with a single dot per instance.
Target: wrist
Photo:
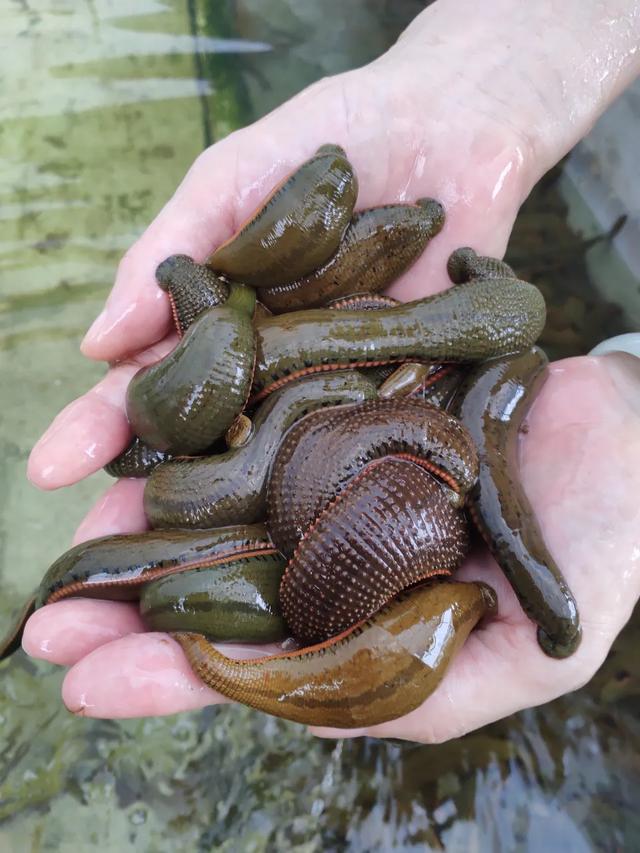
(545, 70)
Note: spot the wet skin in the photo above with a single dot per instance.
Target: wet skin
(492, 403)
(376, 671)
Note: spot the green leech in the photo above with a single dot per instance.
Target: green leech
(233, 602)
(231, 487)
(182, 404)
(470, 322)
(492, 404)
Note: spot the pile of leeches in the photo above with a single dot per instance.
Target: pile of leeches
(314, 451)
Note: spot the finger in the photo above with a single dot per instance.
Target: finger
(135, 676)
(119, 510)
(65, 632)
(140, 676)
(90, 431)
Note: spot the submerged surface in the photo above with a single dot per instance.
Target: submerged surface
(103, 111)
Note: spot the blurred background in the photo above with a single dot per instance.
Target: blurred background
(104, 105)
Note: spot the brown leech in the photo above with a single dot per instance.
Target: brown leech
(378, 246)
(391, 527)
(374, 672)
(325, 450)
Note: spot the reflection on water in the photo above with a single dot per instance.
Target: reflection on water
(104, 106)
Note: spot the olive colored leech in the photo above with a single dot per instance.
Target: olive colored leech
(470, 322)
(297, 228)
(233, 602)
(182, 404)
(492, 404)
(137, 460)
(391, 527)
(378, 246)
(414, 379)
(321, 453)
(466, 265)
(192, 289)
(116, 567)
(377, 671)
(239, 433)
(231, 487)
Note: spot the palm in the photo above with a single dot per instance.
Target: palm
(475, 166)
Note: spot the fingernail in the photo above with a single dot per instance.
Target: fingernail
(105, 323)
(96, 329)
(621, 343)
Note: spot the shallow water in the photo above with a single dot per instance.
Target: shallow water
(105, 105)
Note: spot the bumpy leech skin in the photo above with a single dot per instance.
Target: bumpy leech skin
(378, 246)
(116, 566)
(192, 289)
(182, 404)
(231, 487)
(471, 322)
(465, 265)
(363, 302)
(391, 527)
(297, 228)
(325, 450)
(492, 404)
(375, 672)
(137, 460)
(236, 601)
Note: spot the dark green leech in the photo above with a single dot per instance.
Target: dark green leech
(378, 246)
(192, 288)
(11, 641)
(231, 487)
(470, 322)
(466, 265)
(182, 404)
(492, 403)
(116, 566)
(297, 228)
(137, 460)
(233, 602)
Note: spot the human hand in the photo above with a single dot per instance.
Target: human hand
(581, 470)
(457, 137)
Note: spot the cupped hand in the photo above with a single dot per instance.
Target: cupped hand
(580, 463)
(448, 135)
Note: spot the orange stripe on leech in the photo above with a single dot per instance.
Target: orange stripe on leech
(154, 574)
(323, 368)
(174, 312)
(431, 467)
